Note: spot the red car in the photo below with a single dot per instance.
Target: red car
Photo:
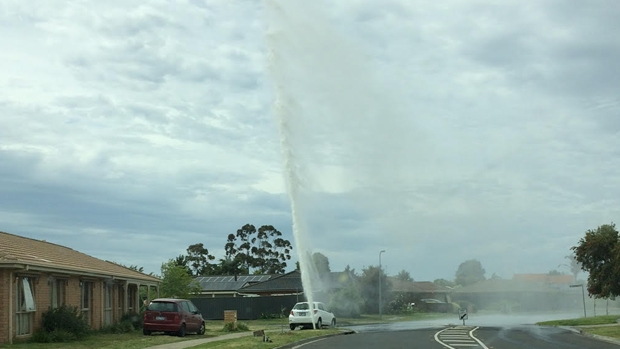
(172, 315)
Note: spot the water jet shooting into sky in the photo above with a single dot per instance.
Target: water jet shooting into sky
(438, 133)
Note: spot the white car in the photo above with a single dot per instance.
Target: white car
(302, 316)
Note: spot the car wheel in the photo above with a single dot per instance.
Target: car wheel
(292, 327)
(181, 332)
(146, 332)
(333, 324)
(201, 330)
(319, 324)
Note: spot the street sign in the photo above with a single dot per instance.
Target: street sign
(463, 315)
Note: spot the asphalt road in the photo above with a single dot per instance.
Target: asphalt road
(464, 337)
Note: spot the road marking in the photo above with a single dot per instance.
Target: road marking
(459, 337)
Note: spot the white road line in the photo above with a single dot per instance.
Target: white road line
(458, 337)
(471, 333)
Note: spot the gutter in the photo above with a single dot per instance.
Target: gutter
(76, 272)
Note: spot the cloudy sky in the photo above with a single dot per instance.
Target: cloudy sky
(437, 131)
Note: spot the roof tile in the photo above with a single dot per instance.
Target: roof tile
(15, 249)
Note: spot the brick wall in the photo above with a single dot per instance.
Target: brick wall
(42, 294)
(73, 292)
(5, 284)
(42, 286)
(96, 306)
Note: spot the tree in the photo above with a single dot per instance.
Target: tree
(444, 283)
(347, 302)
(135, 268)
(197, 260)
(263, 250)
(239, 247)
(176, 282)
(555, 273)
(350, 271)
(369, 283)
(271, 251)
(321, 263)
(404, 275)
(227, 266)
(469, 273)
(181, 261)
(598, 252)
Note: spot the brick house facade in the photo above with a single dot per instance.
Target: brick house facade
(36, 276)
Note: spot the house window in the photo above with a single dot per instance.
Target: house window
(131, 301)
(87, 301)
(121, 301)
(107, 304)
(57, 293)
(25, 306)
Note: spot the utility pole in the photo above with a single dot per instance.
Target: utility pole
(380, 315)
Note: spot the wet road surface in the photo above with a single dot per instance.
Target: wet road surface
(464, 337)
(480, 332)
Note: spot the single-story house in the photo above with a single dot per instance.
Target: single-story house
(265, 284)
(227, 285)
(555, 281)
(255, 296)
(519, 294)
(414, 291)
(36, 276)
(278, 285)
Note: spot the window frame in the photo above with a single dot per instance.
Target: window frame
(108, 304)
(58, 292)
(86, 296)
(24, 312)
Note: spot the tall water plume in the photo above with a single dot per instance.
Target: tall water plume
(341, 130)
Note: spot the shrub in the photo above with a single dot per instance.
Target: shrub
(135, 319)
(62, 324)
(270, 316)
(125, 326)
(60, 336)
(347, 302)
(230, 327)
(397, 305)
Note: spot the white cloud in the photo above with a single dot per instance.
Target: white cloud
(436, 131)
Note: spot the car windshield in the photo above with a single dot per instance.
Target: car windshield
(163, 306)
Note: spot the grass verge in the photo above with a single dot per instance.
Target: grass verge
(133, 340)
(278, 339)
(605, 325)
(586, 321)
(277, 328)
(612, 331)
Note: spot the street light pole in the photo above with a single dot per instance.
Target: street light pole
(583, 295)
(380, 283)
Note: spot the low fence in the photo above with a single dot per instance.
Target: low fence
(248, 308)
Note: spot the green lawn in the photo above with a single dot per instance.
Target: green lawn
(607, 331)
(605, 325)
(133, 340)
(585, 321)
(277, 329)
